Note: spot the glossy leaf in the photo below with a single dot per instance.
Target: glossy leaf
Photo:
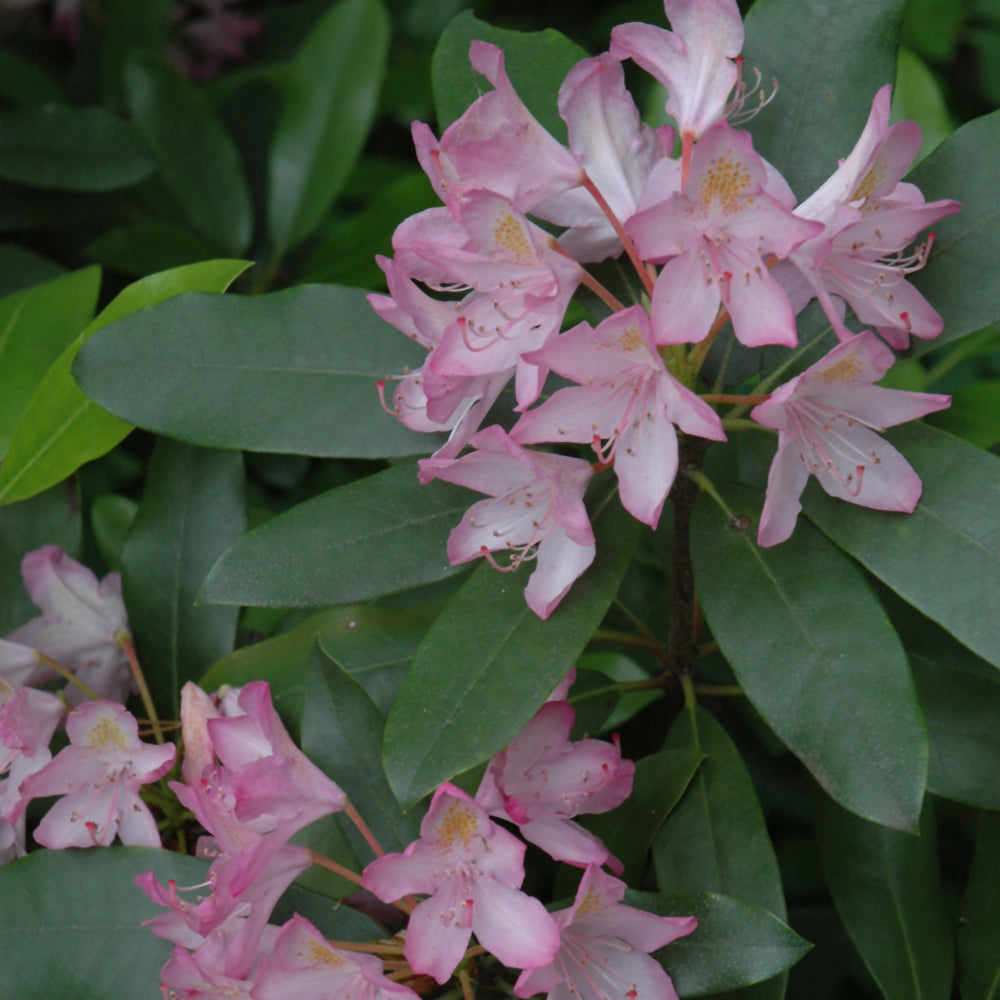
(628, 831)
(86, 940)
(536, 62)
(816, 117)
(735, 944)
(192, 508)
(35, 326)
(342, 733)
(375, 536)
(954, 280)
(72, 149)
(489, 662)
(944, 556)
(330, 94)
(197, 158)
(887, 889)
(208, 369)
(979, 929)
(816, 654)
(61, 428)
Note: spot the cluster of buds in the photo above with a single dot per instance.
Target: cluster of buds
(715, 238)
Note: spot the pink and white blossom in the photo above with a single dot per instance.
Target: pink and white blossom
(828, 421)
(471, 870)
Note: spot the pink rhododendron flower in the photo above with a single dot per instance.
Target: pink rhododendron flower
(471, 869)
(717, 233)
(536, 513)
(82, 623)
(695, 61)
(302, 966)
(99, 776)
(828, 421)
(211, 35)
(542, 780)
(18, 663)
(604, 948)
(627, 399)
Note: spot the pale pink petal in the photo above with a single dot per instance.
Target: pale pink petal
(785, 482)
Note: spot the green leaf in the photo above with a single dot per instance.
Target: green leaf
(974, 413)
(342, 734)
(147, 245)
(111, 518)
(51, 518)
(127, 28)
(330, 95)
(20, 269)
(35, 326)
(198, 160)
(816, 117)
(375, 536)
(955, 282)
(887, 889)
(72, 149)
(979, 930)
(917, 97)
(628, 831)
(61, 428)
(71, 923)
(816, 654)
(208, 369)
(192, 508)
(489, 662)
(374, 645)
(943, 557)
(735, 944)
(25, 84)
(536, 62)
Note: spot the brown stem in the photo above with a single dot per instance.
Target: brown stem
(124, 639)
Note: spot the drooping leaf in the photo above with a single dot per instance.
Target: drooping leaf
(536, 62)
(208, 369)
(35, 326)
(816, 654)
(887, 889)
(342, 734)
(197, 158)
(192, 508)
(815, 118)
(943, 557)
(330, 95)
(375, 536)
(86, 940)
(61, 428)
(488, 662)
(72, 149)
(954, 281)
(735, 944)
(979, 929)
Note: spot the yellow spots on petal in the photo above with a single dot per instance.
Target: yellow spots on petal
(106, 733)
(843, 370)
(631, 339)
(726, 181)
(460, 823)
(591, 903)
(315, 953)
(871, 182)
(510, 235)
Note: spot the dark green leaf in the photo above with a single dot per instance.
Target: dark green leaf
(192, 508)
(35, 326)
(197, 158)
(955, 281)
(488, 663)
(71, 923)
(111, 518)
(20, 269)
(128, 27)
(944, 556)
(817, 656)
(887, 890)
(536, 62)
(61, 428)
(72, 149)
(817, 116)
(979, 930)
(25, 84)
(147, 245)
(735, 944)
(208, 369)
(375, 536)
(342, 734)
(628, 831)
(330, 96)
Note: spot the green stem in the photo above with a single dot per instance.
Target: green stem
(68, 675)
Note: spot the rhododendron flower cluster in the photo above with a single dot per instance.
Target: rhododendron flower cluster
(716, 238)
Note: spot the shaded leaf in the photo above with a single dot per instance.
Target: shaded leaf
(979, 930)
